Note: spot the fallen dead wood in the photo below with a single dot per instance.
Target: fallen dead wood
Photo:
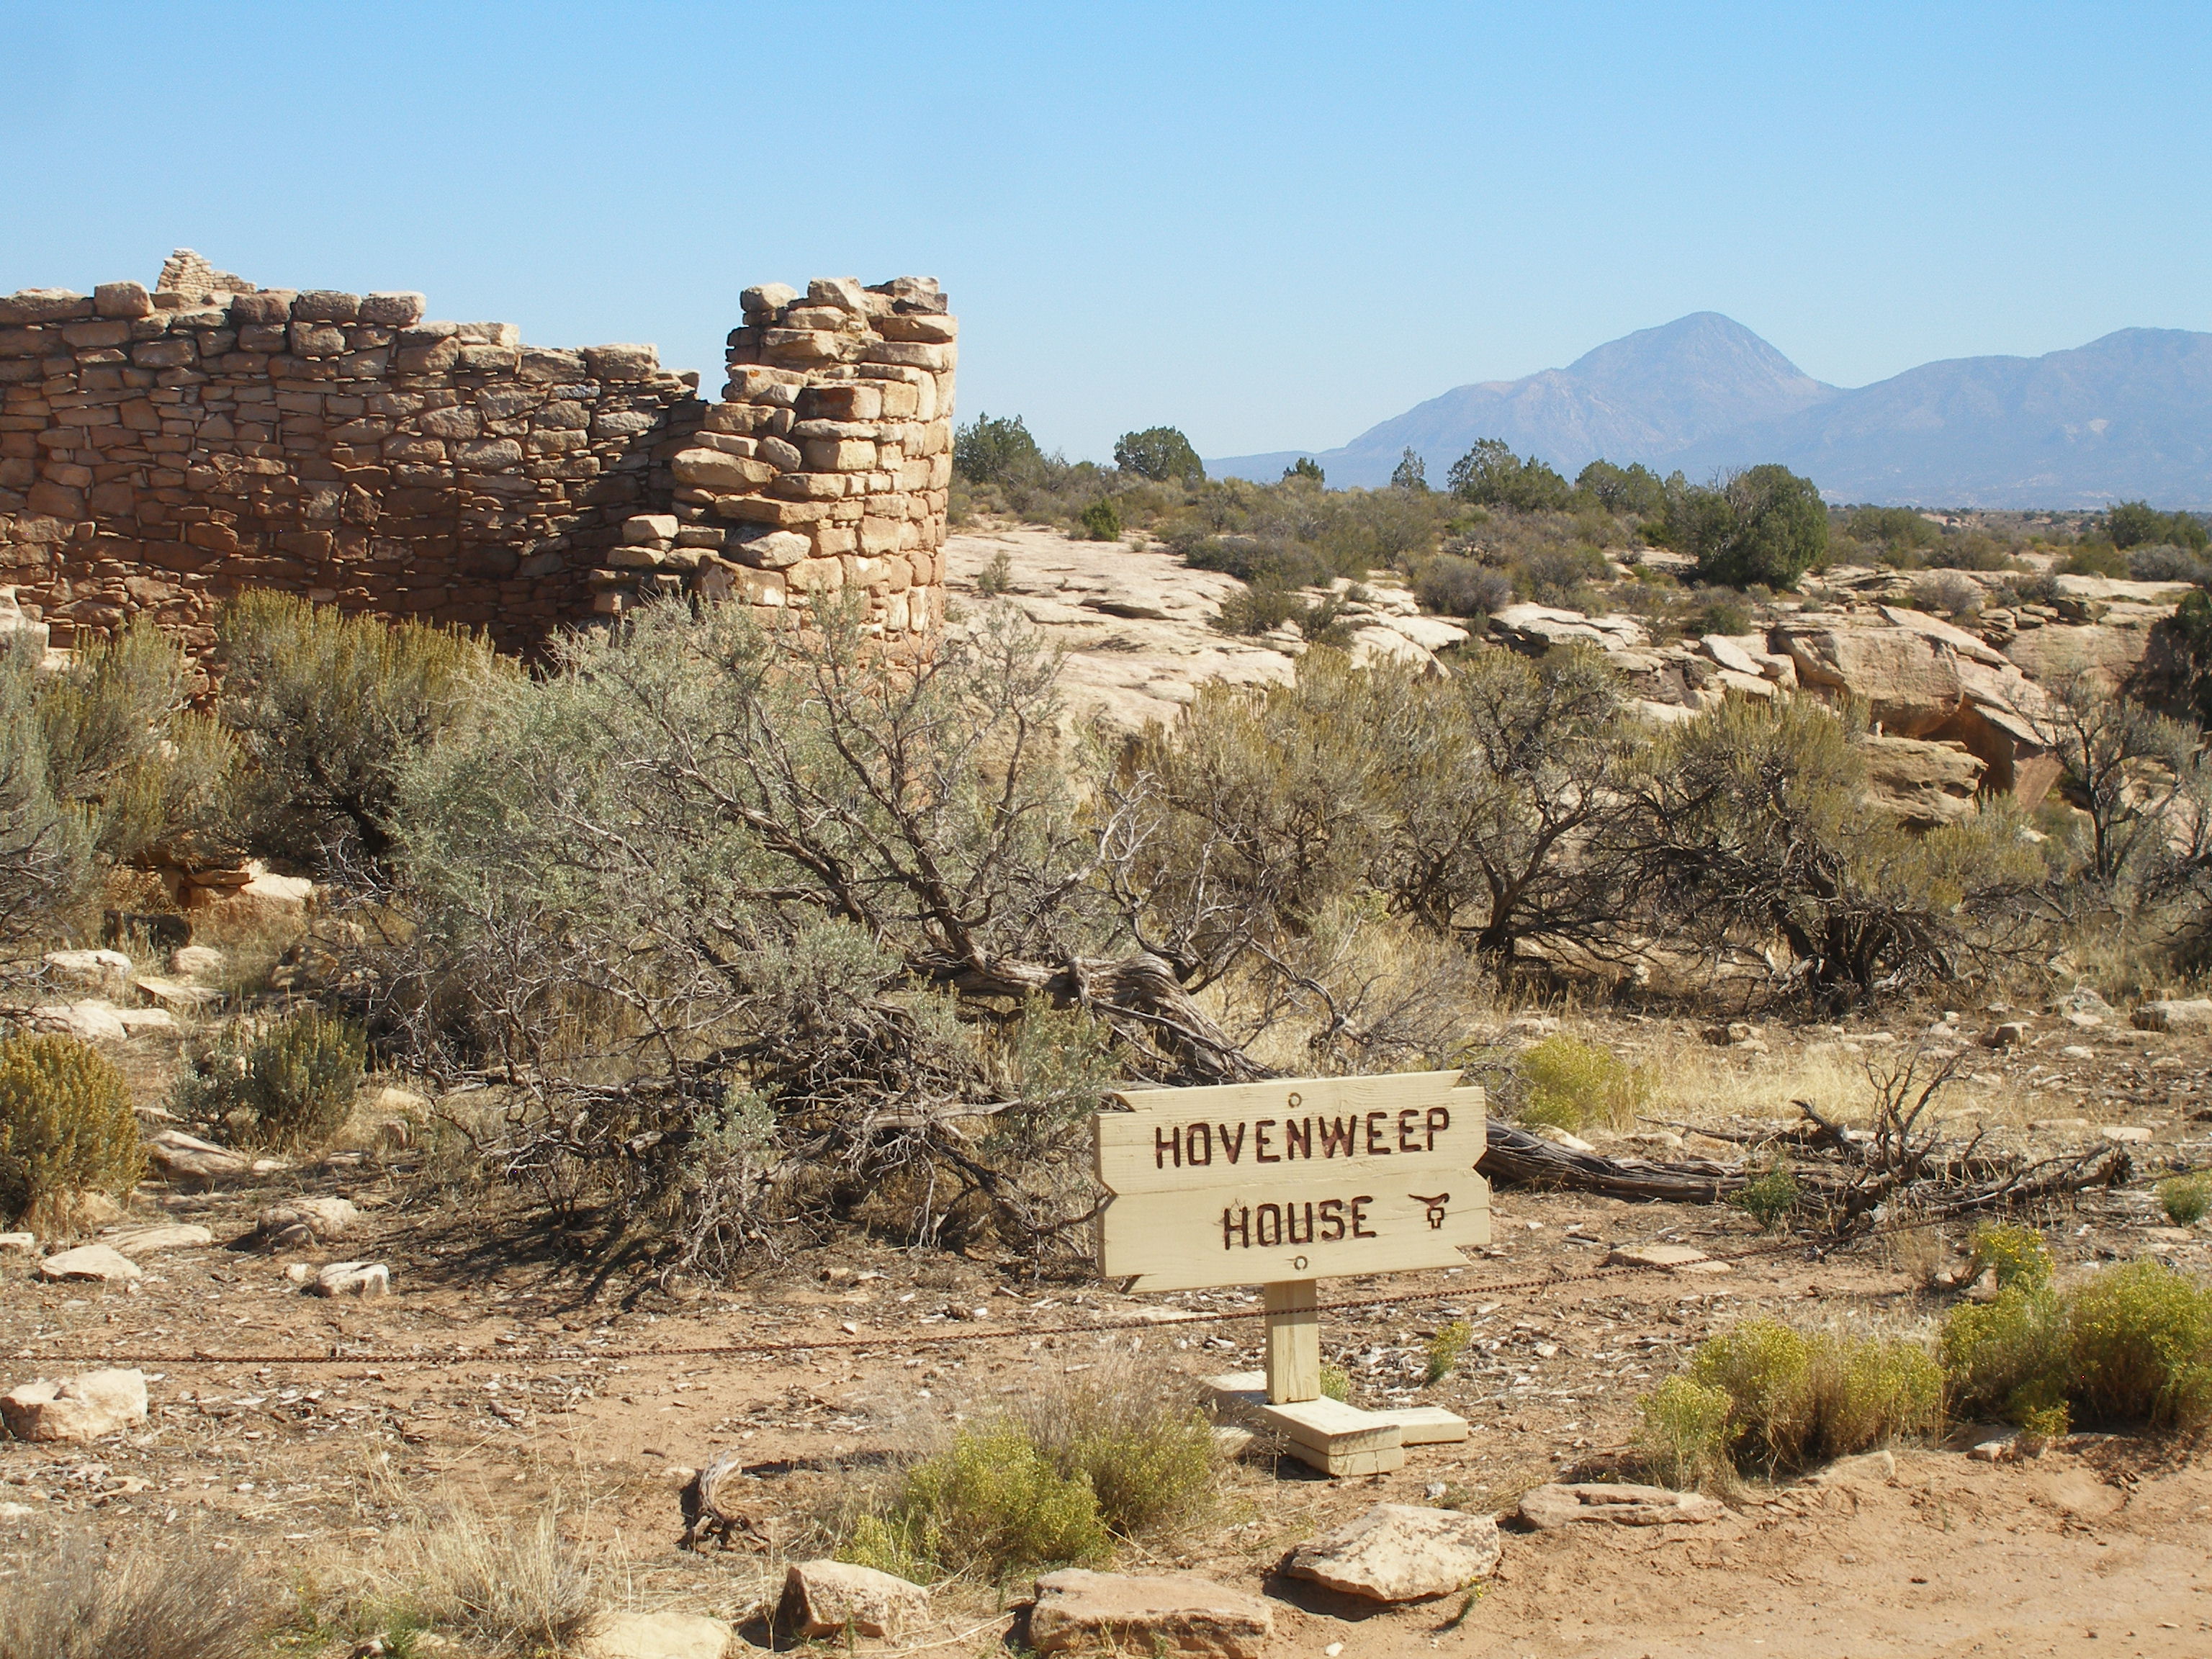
(1517, 1158)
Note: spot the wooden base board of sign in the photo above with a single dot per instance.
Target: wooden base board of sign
(1332, 1436)
(1293, 1340)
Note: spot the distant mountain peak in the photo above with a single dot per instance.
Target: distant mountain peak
(2127, 416)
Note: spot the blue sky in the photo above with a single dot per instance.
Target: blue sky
(1269, 224)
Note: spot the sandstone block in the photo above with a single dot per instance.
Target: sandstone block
(44, 305)
(918, 327)
(771, 509)
(185, 1157)
(847, 400)
(491, 359)
(100, 1263)
(488, 455)
(325, 305)
(652, 1636)
(272, 308)
(622, 363)
(816, 576)
(2191, 1014)
(1178, 1612)
(914, 354)
(1548, 1509)
(316, 340)
(844, 293)
(831, 1598)
(497, 334)
(713, 470)
(1401, 1552)
(83, 1407)
(166, 354)
(136, 1242)
(366, 1280)
(301, 1222)
(122, 299)
(814, 345)
(779, 550)
(392, 307)
(643, 527)
(766, 297)
(839, 454)
(104, 973)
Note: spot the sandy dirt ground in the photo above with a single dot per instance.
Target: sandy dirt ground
(501, 1374)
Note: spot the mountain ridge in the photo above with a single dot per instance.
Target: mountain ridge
(2127, 416)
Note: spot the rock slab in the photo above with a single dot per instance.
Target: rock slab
(82, 1407)
(91, 1261)
(1548, 1509)
(1401, 1552)
(827, 1598)
(652, 1636)
(135, 1242)
(1176, 1613)
(2194, 1014)
(362, 1279)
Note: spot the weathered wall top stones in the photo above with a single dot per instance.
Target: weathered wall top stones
(163, 449)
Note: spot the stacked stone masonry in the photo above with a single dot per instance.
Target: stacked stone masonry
(162, 450)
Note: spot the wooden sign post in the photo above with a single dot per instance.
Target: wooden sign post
(1282, 1184)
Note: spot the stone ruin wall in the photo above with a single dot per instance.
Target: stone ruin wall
(163, 450)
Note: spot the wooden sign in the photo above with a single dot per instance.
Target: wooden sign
(1304, 1178)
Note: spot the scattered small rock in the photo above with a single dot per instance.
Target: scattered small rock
(652, 1636)
(362, 1279)
(1559, 1137)
(1401, 1552)
(1177, 1612)
(186, 1157)
(77, 1409)
(301, 1222)
(2194, 1014)
(829, 1598)
(2011, 1033)
(1550, 1508)
(1656, 1255)
(135, 1242)
(2125, 1134)
(99, 1262)
(196, 961)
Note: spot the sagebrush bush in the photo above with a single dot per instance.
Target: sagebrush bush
(66, 1126)
(1112, 1454)
(1795, 1397)
(2132, 1344)
(1572, 1084)
(989, 1504)
(2186, 1199)
(511, 1588)
(327, 705)
(288, 1087)
(1462, 588)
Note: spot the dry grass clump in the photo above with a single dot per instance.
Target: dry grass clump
(1108, 1454)
(1766, 1395)
(505, 1585)
(164, 1599)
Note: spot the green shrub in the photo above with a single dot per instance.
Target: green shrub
(1794, 1398)
(990, 1504)
(46, 852)
(1492, 474)
(1100, 522)
(1453, 586)
(2130, 1343)
(1764, 525)
(2095, 559)
(290, 1087)
(2140, 1340)
(2186, 1199)
(1158, 453)
(1768, 1198)
(1445, 1349)
(1572, 1084)
(2016, 1252)
(986, 451)
(1684, 1439)
(66, 1127)
(1138, 1438)
(326, 706)
(1335, 1382)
